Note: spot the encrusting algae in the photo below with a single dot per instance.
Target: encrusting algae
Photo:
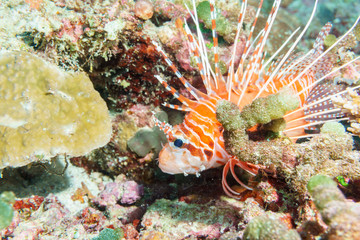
(45, 111)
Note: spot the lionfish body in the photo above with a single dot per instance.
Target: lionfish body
(197, 144)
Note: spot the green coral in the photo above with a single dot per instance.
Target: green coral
(223, 26)
(323, 191)
(110, 234)
(268, 226)
(264, 110)
(261, 110)
(45, 111)
(6, 209)
(178, 219)
(342, 216)
(269, 111)
(333, 128)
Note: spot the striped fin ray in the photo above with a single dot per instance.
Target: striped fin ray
(328, 74)
(252, 73)
(198, 50)
(317, 93)
(316, 59)
(230, 78)
(274, 63)
(288, 54)
(240, 71)
(295, 64)
(319, 41)
(215, 41)
(176, 94)
(164, 126)
(212, 82)
(177, 107)
(193, 91)
(196, 53)
(299, 64)
(258, 53)
(318, 109)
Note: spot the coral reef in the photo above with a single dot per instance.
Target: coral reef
(50, 216)
(117, 191)
(46, 111)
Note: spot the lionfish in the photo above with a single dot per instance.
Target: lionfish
(197, 144)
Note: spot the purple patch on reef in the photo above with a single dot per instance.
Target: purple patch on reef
(124, 192)
(110, 195)
(132, 192)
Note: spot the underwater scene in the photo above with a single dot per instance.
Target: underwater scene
(180, 119)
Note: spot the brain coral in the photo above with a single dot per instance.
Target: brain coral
(45, 111)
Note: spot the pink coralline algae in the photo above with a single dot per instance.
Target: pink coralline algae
(132, 192)
(71, 30)
(30, 224)
(170, 10)
(124, 192)
(91, 219)
(110, 195)
(144, 9)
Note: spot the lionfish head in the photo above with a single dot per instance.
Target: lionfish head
(179, 154)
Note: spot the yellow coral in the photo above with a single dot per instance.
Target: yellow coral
(45, 111)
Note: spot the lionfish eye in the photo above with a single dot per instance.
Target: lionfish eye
(178, 142)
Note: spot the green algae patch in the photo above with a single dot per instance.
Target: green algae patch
(329, 40)
(6, 209)
(340, 214)
(110, 234)
(178, 219)
(320, 180)
(223, 26)
(333, 128)
(45, 111)
(323, 191)
(264, 110)
(268, 226)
